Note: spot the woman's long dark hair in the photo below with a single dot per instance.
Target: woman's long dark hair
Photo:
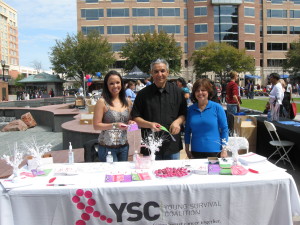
(106, 93)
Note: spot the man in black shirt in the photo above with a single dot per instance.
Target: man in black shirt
(161, 103)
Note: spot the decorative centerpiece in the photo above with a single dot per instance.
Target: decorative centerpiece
(153, 141)
(14, 160)
(36, 152)
(233, 147)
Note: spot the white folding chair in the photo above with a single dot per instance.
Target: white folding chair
(283, 145)
(241, 141)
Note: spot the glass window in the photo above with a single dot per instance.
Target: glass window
(277, 30)
(295, 1)
(276, 1)
(225, 19)
(118, 30)
(250, 28)
(168, 11)
(142, 12)
(91, 1)
(200, 11)
(275, 62)
(185, 14)
(294, 30)
(87, 30)
(199, 44)
(141, 29)
(227, 28)
(169, 29)
(248, 0)
(228, 10)
(200, 28)
(185, 47)
(185, 30)
(250, 45)
(225, 37)
(91, 14)
(277, 46)
(116, 47)
(249, 12)
(117, 0)
(276, 13)
(295, 14)
(142, 0)
(200, 0)
(168, 0)
(117, 12)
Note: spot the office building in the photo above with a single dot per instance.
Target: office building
(264, 28)
(9, 48)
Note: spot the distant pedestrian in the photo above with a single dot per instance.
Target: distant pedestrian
(181, 83)
(276, 96)
(190, 86)
(147, 82)
(129, 91)
(139, 86)
(51, 93)
(223, 92)
(232, 94)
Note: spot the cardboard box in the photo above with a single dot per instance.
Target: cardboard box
(86, 118)
(86, 121)
(79, 102)
(246, 126)
(91, 108)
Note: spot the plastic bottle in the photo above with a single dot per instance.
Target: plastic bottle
(135, 156)
(71, 154)
(269, 115)
(109, 158)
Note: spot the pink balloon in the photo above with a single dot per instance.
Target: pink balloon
(87, 76)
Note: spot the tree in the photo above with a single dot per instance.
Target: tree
(142, 49)
(79, 55)
(37, 65)
(218, 57)
(293, 58)
(20, 77)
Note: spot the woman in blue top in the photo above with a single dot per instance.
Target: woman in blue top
(130, 91)
(206, 123)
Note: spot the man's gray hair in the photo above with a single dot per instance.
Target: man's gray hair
(157, 61)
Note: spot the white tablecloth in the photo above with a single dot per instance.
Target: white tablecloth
(253, 199)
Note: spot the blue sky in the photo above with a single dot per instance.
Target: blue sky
(40, 23)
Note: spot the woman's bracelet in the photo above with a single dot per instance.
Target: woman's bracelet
(114, 126)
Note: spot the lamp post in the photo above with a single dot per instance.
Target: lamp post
(3, 66)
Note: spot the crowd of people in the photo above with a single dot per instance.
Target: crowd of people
(160, 103)
(33, 94)
(183, 108)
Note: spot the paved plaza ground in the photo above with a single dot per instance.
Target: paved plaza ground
(42, 135)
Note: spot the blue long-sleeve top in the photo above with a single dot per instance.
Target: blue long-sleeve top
(205, 130)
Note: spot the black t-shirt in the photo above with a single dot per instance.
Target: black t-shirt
(162, 106)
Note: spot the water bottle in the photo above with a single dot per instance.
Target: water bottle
(109, 158)
(71, 154)
(135, 156)
(269, 115)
